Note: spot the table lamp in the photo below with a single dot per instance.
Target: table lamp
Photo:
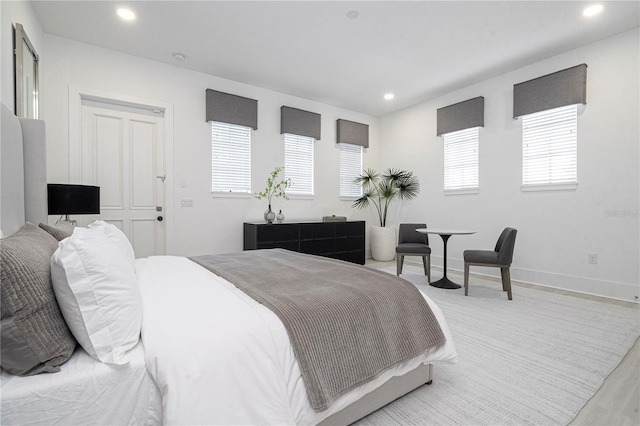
(65, 200)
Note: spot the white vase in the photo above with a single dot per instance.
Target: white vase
(383, 243)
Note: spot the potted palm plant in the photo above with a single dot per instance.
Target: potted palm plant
(380, 190)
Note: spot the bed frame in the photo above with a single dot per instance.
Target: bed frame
(23, 172)
(23, 178)
(394, 388)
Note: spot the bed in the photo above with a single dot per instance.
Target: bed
(208, 354)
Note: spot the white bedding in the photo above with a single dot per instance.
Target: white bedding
(84, 392)
(219, 357)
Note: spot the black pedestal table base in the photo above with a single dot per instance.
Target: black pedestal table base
(445, 282)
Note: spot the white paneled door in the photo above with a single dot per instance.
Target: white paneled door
(123, 154)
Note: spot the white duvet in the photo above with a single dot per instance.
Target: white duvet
(219, 357)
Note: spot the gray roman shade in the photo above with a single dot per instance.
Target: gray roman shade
(562, 88)
(299, 122)
(232, 109)
(353, 133)
(460, 116)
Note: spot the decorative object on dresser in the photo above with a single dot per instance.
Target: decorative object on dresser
(276, 187)
(338, 240)
(334, 218)
(380, 190)
(280, 217)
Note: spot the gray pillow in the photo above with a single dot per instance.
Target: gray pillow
(57, 233)
(35, 337)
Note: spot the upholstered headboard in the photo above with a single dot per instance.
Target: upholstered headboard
(23, 172)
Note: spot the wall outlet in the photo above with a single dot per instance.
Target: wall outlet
(186, 202)
(593, 258)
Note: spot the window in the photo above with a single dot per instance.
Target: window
(350, 168)
(298, 163)
(549, 147)
(230, 158)
(461, 160)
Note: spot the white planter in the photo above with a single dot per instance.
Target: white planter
(383, 243)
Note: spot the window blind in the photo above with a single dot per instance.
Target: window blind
(230, 158)
(350, 169)
(298, 163)
(461, 159)
(549, 146)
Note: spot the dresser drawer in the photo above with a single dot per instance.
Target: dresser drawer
(349, 229)
(279, 232)
(312, 231)
(324, 246)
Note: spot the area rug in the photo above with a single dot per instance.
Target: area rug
(535, 360)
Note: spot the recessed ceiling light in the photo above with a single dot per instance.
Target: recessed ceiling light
(593, 10)
(126, 14)
(353, 14)
(179, 56)
(389, 96)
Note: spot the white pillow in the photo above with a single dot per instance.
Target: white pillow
(98, 294)
(118, 237)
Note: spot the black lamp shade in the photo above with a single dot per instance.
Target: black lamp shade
(73, 199)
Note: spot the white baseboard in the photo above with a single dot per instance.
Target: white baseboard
(591, 286)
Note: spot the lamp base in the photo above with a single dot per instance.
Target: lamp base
(66, 224)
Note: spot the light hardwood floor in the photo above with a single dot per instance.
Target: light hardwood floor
(617, 402)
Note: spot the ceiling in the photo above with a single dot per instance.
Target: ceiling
(416, 49)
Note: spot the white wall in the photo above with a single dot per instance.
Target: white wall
(556, 230)
(214, 224)
(20, 12)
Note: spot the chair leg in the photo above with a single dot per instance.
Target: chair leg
(466, 279)
(424, 264)
(428, 269)
(506, 281)
(399, 262)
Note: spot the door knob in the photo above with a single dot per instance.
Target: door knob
(160, 218)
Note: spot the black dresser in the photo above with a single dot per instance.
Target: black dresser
(339, 240)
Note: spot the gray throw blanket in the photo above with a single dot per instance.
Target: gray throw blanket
(347, 323)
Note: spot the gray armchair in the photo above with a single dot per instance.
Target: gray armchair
(501, 258)
(412, 243)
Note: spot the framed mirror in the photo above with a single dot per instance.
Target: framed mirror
(25, 74)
